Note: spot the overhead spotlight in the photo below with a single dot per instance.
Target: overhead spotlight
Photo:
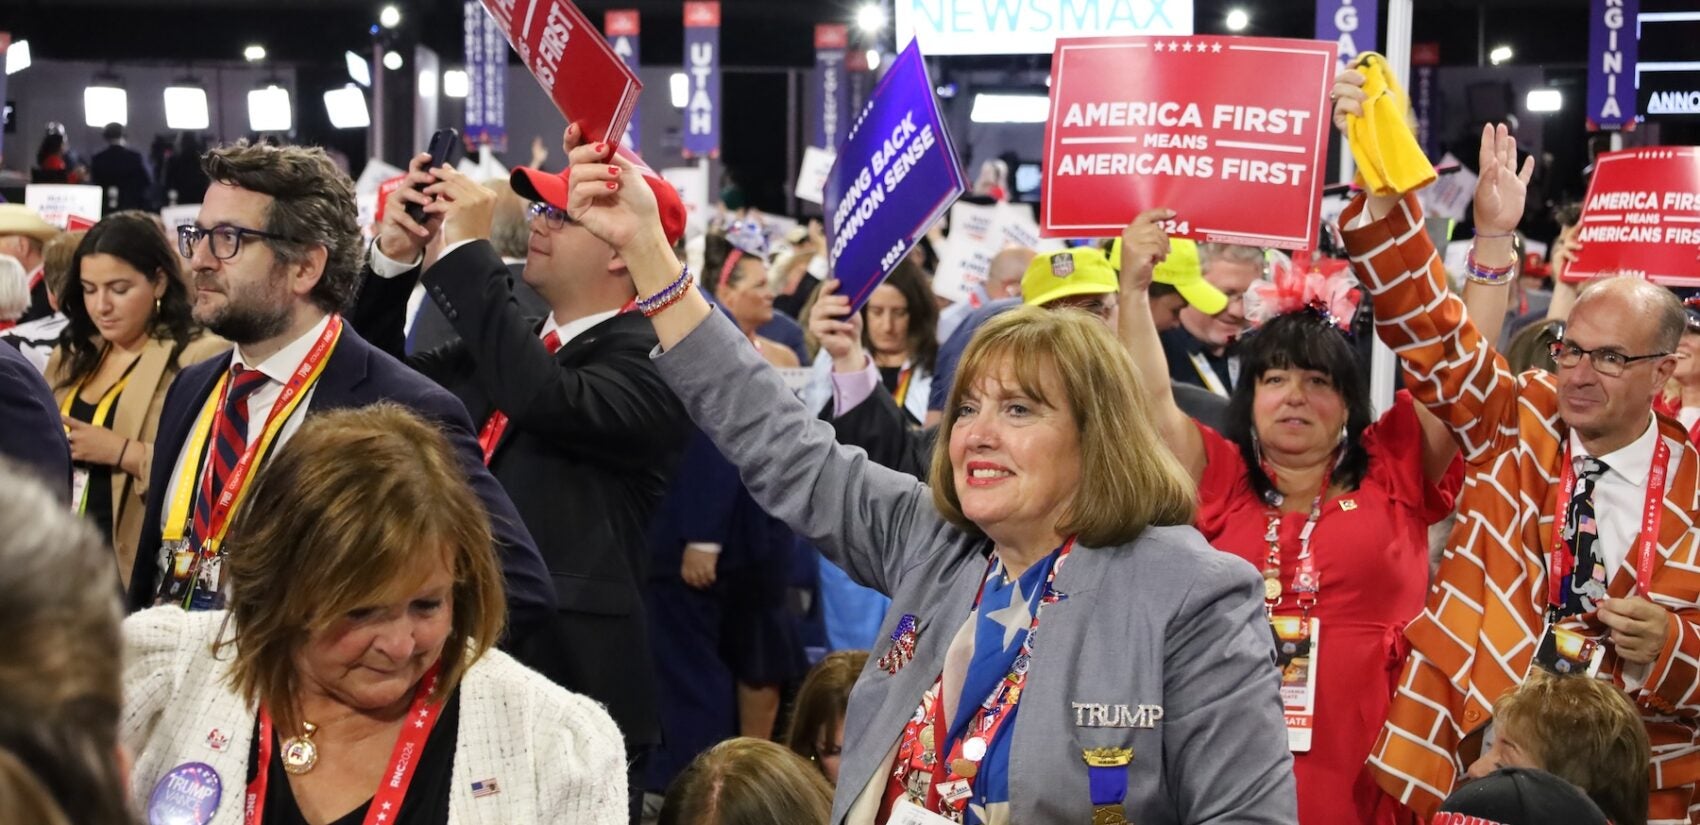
(347, 108)
(1006, 108)
(679, 87)
(254, 53)
(1499, 55)
(947, 90)
(17, 56)
(186, 107)
(1238, 20)
(1544, 100)
(105, 102)
(870, 18)
(392, 60)
(268, 109)
(456, 83)
(873, 60)
(427, 83)
(389, 17)
(359, 70)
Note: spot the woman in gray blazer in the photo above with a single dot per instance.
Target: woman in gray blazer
(1060, 646)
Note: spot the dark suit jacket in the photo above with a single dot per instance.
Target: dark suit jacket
(592, 438)
(30, 432)
(431, 328)
(356, 375)
(124, 168)
(39, 306)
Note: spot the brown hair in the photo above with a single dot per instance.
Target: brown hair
(923, 338)
(56, 260)
(342, 518)
(1585, 732)
(747, 781)
(60, 695)
(821, 701)
(1129, 479)
(312, 205)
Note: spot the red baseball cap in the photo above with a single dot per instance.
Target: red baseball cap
(537, 185)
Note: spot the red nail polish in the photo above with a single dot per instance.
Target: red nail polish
(614, 170)
(601, 148)
(613, 184)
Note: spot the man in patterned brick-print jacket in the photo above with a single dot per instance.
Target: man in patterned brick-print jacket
(1486, 611)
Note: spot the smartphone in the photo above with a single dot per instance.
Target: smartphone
(446, 148)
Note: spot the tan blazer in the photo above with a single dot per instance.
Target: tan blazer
(137, 418)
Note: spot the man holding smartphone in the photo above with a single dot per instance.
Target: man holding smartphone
(577, 424)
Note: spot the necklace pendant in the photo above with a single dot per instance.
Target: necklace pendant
(1271, 588)
(299, 753)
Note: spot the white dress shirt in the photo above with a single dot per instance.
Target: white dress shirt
(1620, 493)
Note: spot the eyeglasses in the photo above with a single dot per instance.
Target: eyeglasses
(226, 239)
(555, 218)
(1606, 362)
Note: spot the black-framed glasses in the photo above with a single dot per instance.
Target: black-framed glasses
(226, 239)
(1606, 361)
(555, 218)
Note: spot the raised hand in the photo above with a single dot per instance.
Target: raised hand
(605, 195)
(839, 337)
(1501, 187)
(401, 238)
(466, 207)
(1348, 96)
(1144, 245)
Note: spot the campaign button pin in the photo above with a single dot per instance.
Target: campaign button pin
(187, 795)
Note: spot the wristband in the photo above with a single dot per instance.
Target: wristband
(1493, 234)
(1491, 276)
(654, 304)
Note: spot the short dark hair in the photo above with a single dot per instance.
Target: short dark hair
(132, 237)
(312, 202)
(113, 131)
(1300, 340)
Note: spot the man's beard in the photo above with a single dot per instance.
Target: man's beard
(251, 318)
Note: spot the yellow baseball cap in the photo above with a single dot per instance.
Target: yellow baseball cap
(1182, 270)
(1082, 270)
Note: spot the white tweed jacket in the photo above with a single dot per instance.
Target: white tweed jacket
(555, 756)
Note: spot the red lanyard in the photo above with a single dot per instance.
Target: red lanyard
(490, 435)
(304, 377)
(392, 788)
(1307, 583)
(1563, 560)
(953, 762)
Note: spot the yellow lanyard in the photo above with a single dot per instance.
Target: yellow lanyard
(177, 521)
(100, 412)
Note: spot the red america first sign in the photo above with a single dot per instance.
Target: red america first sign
(590, 84)
(1230, 132)
(1641, 217)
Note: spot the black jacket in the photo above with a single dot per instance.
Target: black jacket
(355, 375)
(592, 438)
(30, 432)
(122, 167)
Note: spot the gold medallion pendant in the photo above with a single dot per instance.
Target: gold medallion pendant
(299, 752)
(1271, 588)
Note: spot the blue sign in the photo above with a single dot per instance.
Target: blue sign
(702, 67)
(896, 174)
(832, 85)
(486, 78)
(1349, 23)
(1611, 63)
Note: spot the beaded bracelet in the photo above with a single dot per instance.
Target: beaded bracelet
(654, 304)
(1492, 276)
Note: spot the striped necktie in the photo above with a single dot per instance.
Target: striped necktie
(230, 440)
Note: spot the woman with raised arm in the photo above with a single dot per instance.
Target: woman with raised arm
(1329, 502)
(1051, 504)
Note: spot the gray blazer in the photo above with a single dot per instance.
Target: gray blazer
(1165, 621)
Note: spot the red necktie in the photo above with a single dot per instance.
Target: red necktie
(230, 440)
(497, 423)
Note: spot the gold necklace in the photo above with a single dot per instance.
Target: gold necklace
(299, 752)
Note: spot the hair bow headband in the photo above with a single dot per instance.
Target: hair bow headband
(1324, 286)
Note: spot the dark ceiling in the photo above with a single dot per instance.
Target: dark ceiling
(755, 32)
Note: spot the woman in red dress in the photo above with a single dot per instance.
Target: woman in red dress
(1330, 503)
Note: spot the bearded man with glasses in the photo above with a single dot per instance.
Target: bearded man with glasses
(274, 257)
(1575, 549)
